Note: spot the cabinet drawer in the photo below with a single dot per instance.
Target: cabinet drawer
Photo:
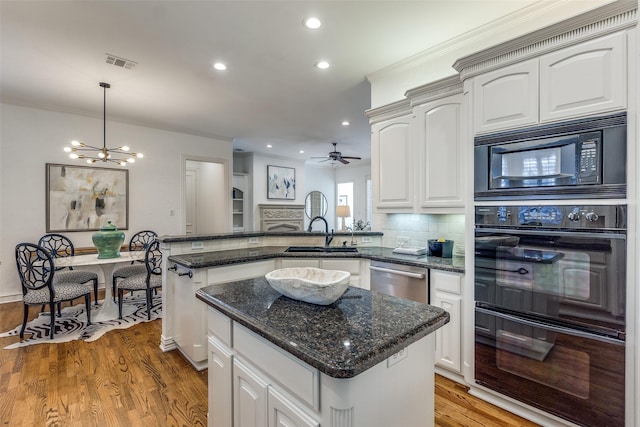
(446, 281)
(302, 380)
(219, 325)
(303, 262)
(234, 272)
(352, 266)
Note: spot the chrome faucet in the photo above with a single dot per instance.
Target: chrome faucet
(327, 237)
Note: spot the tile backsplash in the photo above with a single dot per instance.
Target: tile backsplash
(414, 230)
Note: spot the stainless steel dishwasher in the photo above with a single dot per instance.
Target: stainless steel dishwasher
(400, 280)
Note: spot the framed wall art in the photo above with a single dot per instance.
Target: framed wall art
(84, 198)
(281, 182)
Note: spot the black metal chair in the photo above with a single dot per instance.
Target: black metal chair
(148, 281)
(37, 271)
(60, 246)
(138, 242)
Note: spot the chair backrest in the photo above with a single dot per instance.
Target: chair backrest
(141, 240)
(35, 267)
(57, 245)
(153, 259)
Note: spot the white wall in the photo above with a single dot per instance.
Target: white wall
(357, 175)
(30, 138)
(322, 179)
(259, 183)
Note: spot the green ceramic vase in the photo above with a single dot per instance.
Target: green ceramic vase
(108, 241)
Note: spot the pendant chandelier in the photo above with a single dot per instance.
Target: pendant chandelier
(120, 155)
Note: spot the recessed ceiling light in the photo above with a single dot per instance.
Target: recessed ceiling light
(322, 65)
(312, 23)
(269, 146)
(345, 123)
(301, 151)
(219, 66)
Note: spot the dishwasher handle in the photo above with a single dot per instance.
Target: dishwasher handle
(398, 272)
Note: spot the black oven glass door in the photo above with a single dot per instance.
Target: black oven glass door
(574, 375)
(574, 278)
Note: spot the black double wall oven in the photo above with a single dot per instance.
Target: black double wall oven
(550, 301)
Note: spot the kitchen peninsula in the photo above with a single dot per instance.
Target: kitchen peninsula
(365, 360)
(194, 262)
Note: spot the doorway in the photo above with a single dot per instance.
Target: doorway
(206, 201)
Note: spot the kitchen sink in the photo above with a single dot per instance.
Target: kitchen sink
(331, 249)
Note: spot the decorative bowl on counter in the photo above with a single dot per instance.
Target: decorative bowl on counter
(308, 284)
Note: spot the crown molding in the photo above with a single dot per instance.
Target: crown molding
(435, 90)
(389, 111)
(613, 17)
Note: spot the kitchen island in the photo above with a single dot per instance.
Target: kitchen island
(365, 360)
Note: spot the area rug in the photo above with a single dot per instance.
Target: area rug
(72, 324)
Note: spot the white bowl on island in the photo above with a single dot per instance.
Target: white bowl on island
(308, 284)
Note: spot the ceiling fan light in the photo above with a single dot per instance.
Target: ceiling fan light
(68, 149)
(76, 143)
(73, 156)
(131, 160)
(101, 155)
(125, 148)
(138, 155)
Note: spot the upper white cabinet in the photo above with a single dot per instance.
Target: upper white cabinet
(417, 157)
(392, 162)
(584, 79)
(506, 98)
(440, 154)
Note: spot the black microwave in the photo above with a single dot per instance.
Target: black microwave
(578, 159)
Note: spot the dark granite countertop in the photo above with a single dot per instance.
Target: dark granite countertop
(243, 234)
(343, 339)
(374, 253)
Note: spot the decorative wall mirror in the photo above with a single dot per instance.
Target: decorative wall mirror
(315, 204)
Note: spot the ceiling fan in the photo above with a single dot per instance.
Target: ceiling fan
(335, 155)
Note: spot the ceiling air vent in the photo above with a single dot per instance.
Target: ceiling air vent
(120, 62)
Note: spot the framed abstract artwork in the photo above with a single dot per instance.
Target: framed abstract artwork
(84, 198)
(281, 182)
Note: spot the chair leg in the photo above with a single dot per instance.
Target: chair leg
(53, 320)
(24, 321)
(95, 289)
(87, 301)
(113, 286)
(59, 309)
(149, 290)
(120, 292)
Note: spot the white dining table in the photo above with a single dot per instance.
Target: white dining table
(108, 310)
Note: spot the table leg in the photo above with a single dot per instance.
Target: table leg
(109, 309)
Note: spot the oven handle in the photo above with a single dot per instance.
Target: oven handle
(398, 272)
(515, 231)
(554, 328)
(520, 270)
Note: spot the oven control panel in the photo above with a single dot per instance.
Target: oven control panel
(553, 216)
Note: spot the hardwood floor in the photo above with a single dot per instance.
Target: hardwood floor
(124, 379)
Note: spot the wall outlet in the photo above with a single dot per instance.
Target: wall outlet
(397, 357)
(254, 240)
(197, 245)
(401, 242)
(367, 239)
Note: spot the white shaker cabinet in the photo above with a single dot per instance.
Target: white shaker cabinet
(446, 288)
(580, 80)
(392, 163)
(440, 154)
(417, 156)
(584, 79)
(506, 98)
